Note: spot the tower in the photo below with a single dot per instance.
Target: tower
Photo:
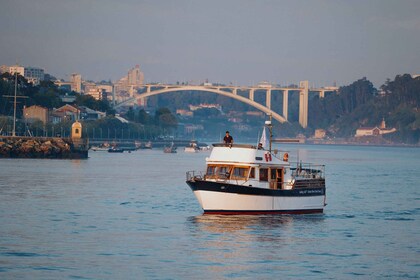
(76, 131)
(383, 124)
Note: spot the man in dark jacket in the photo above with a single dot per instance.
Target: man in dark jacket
(228, 140)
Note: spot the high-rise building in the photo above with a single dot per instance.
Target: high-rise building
(17, 68)
(4, 69)
(32, 74)
(76, 82)
(129, 85)
(135, 77)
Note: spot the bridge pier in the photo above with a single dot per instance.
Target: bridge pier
(322, 94)
(251, 94)
(235, 91)
(285, 103)
(303, 103)
(268, 99)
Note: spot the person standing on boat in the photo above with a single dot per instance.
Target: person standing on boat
(228, 140)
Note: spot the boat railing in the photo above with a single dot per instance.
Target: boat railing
(307, 170)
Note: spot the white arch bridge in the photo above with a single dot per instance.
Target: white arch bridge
(232, 92)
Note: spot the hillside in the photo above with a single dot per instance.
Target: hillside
(360, 104)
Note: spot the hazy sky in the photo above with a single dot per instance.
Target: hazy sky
(236, 41)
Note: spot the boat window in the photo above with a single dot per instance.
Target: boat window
(223, 172)
(252, 173)
(218, 171)
(211, 170)
(280, 174)
(263, 174)
(239, 173)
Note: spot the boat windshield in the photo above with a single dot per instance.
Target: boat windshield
(218, 171)
(227, 172)
(240, 173)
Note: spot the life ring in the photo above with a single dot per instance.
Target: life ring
(286, 157)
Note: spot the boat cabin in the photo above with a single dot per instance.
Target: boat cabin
(249, 166)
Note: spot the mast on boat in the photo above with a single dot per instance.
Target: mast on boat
(269, 125)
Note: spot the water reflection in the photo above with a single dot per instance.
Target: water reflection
(233, 244)
(246, 223)
(76, 162)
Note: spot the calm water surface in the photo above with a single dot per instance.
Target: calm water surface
(131, 216)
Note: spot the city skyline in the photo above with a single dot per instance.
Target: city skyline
(239, 42)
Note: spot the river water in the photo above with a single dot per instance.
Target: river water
(131, 216)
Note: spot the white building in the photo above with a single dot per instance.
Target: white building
(374, 131)
(32, 74)
(16, 68)
(76, 82)
(96, 93)
(135, 77)
(128, 86)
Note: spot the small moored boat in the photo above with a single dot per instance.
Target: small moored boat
(170, 150)
(115, 150)
(192, 147)
(101, 148)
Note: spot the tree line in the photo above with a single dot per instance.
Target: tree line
(355, 105)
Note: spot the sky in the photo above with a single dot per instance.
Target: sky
(242, 42)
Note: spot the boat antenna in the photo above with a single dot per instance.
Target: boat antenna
(258, 138)
(269, 125)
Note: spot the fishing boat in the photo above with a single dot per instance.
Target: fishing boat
(170, 150)
(253, 179)
(192, 147)
(115, 150)
(148, 145)
(101, 148)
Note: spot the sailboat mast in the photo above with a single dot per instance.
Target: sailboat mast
(14, 107)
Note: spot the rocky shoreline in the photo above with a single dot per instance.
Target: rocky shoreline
(41, 147)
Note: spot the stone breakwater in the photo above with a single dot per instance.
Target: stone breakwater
(40, 147)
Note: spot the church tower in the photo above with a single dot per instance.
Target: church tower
(383, 125)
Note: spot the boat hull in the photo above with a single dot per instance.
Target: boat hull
(222, 198)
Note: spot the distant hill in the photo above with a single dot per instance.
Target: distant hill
(360, 104)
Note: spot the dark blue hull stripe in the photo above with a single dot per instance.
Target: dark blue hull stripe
(260, 212)
(246, 190)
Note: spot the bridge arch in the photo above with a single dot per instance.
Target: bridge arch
(250, 102)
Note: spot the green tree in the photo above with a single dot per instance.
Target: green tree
(165, 119)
